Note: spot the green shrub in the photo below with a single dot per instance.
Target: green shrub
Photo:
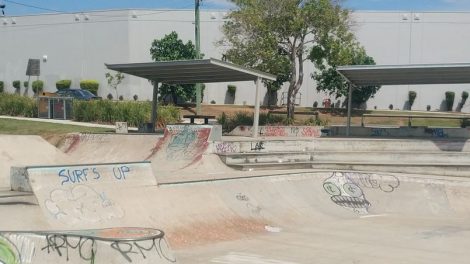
(134, 113)
(25, 84)
(63, 84)
(231, 89)
(450, 96)
(110, 96)
(411, 98)
(17, 84)
(90, 85)
(1, 87)
(246, 119)
(464, 95)
(16, 105)
(37, 86)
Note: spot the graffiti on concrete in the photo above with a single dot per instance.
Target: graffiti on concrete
(63, 245)
(255, 209)
(346, 189)
(111, 245)
(436, 132)
(141, 249)
(310, 132)
(226, 147)
(183, 143)
(279, 131)
(273, 131)
(85, 174)
(257, 146)
(72, 141)
(379, 132)
(8, 252)
(81, 204)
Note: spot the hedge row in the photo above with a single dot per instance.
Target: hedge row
(102, 111)
(16, 105)
(134, 113)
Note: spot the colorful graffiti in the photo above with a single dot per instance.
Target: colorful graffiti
(279, 131)
(184, 143)
(346, 188)
(113, 245)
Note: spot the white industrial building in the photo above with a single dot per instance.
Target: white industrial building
(76, 45)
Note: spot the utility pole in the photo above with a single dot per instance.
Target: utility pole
(198, 53)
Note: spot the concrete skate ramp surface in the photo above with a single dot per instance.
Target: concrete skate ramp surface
(84, 195)
(308, 217)
(104, 148)
(185, 153)
(26, 151)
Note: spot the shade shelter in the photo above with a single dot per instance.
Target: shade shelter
(194, 71)
(364, 75)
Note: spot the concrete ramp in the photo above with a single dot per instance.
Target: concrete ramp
(296, 218)
(26, 151)
(104, 148)
(185, 150)
(86, 196)
(111, 245)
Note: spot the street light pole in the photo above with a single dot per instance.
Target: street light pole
(198, 52)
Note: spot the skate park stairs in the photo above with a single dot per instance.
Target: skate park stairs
(450, 157)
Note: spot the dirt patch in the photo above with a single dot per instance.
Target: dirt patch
(202, 233)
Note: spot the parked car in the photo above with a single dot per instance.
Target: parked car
(79, 94)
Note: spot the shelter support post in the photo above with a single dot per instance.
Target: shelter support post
(348, 126)
(257, 106)
(154, 105)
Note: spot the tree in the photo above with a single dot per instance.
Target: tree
(276, 35)
(333, 51)
(171, 48)
(115, 80)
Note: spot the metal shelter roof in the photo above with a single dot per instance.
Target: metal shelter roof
(363, 75)
(191, 71)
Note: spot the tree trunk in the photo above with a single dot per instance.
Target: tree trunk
(174, 97)
(293, 80)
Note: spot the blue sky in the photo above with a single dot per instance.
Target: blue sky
(13, 8)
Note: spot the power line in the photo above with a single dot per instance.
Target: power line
(81, 12)
(32, 6)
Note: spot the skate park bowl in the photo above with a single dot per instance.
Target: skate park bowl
(192, 196)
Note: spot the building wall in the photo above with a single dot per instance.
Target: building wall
(416, 38)
(75, 50)
(78, 45)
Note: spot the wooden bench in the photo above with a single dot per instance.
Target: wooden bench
(205, 117)
(410, 117)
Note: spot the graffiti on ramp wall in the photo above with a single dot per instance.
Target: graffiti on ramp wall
(110, 245)
(183, 144)
(346, 189)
